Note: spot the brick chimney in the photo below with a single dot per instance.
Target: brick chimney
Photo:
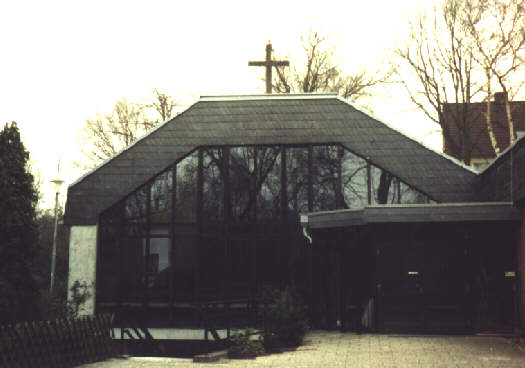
(500, 97)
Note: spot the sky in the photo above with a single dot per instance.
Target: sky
(63, 61)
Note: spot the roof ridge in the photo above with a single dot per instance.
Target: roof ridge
(268, 96)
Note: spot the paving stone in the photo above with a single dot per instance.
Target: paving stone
(325, 349)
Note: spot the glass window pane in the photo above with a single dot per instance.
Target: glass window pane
(242, 178)
(213, 186)
(135, 205)
(212, 265)
(186, 201)
(159, 230)
(160, 206)
(383, 186)
(411, 196)
(158, 266)
(113, 216)
(354, 181)
(388, 189)
(132, 269)
(268, 184)
(297, 179)
(242, 266)
(186, 244)
(266, 254)
(108, 262)
(325, 174)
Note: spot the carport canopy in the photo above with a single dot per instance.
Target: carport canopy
(412, 213)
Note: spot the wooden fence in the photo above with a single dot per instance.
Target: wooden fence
(59, 343)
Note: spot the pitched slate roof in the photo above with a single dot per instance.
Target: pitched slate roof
(267, 119)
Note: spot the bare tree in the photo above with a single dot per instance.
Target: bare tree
(497, 29)
(449, 56)
(107, 134)
(163, 104)
(322, 73)
(437, 68)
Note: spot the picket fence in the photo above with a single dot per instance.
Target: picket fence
(59, 343)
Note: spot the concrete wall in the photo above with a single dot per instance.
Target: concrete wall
(82, 262)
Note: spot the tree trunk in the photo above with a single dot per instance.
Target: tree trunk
(512, 134)
(492, 137)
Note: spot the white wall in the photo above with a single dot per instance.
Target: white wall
(82, 262)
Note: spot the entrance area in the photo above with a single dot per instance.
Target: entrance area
(423, 283)
(417, 278)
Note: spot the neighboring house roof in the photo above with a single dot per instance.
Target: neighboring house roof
(268, 119)
(481, 146)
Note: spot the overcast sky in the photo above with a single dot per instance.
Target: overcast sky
(63, 61)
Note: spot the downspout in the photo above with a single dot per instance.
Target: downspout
(304, 225)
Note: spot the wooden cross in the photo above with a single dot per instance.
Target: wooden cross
(269, 63)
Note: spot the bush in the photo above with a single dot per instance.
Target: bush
(56, 305)
(243, 346)
(287, 320)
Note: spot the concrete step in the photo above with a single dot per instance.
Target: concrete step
(212, 357)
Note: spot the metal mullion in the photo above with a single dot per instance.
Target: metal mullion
(368, 181)
(398, 185)
(226, 185)
(252, 241)
(199, 204)
(147, 235)
(284, 205)
(310, 178)
(339, 197)
(121, 234)
(284, 195)
(254, 184)
(227, 267)
(171, 282)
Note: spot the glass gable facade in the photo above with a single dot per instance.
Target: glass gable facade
(223, 221)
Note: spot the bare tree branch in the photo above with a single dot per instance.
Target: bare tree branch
(441, 71)
(497, 28)
(105, 135)
(321, 73)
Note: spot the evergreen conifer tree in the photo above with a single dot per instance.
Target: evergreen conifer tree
(18, 229)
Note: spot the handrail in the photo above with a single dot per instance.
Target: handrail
(130, 322)
(211, 311)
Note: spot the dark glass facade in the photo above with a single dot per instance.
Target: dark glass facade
(223, 221)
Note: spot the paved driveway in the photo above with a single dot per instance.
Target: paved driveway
(333, 349)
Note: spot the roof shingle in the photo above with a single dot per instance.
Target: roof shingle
(268, 120)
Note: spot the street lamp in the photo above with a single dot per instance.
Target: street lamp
(58, 183)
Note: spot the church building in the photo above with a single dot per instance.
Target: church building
(238, 194)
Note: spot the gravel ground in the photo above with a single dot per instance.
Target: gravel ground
(334, 349)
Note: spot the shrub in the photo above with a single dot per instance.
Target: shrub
(243, 346)
(56, 305)
(287, 320)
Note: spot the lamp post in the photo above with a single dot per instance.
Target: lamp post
(58, 183)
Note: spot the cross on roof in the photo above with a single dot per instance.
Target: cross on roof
(269, 63)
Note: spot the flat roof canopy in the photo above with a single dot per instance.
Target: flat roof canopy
(409, 213)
